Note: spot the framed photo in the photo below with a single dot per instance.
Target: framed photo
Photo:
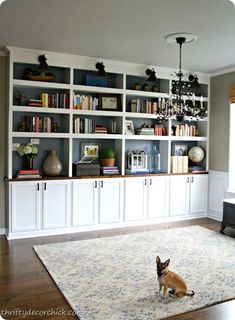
(179, 150)
(109, 102)
(89, 152)
(129, 127)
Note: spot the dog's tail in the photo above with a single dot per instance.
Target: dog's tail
(192, 293)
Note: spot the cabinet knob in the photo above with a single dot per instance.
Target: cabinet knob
(150, 182)
(101, 184)
(95, 184)
(187, 180)
(45, 186)
(192, 179)
(37, 186)
(145, 182)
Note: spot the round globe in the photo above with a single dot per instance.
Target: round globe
(196, 154)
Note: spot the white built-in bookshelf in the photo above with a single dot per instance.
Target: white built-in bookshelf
(52, 113)
(71, 80)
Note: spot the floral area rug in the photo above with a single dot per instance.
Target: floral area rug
(115, 278)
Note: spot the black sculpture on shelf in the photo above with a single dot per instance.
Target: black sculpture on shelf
(41, 73)
(42, 62)
(100, 67)
(151, 73)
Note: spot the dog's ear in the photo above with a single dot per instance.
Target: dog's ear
(167, 262)
(158, 260)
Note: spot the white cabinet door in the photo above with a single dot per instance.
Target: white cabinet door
(25, 206)
(158, 197)
(56, 204)
(110, 200)
(85, 202)
(135, 198)
(198, 193)
(179, 195)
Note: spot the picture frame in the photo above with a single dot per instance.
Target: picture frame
(89, 152)
(179, 149)
(109, 102)
(129, 127)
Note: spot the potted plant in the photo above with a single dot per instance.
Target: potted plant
(107, 157)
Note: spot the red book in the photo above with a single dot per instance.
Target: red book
(29, 171)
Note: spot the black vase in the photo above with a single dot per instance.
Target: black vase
(27, 162)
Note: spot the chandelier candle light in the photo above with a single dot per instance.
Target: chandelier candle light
(182, 102)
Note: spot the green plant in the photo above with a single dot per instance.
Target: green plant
(107, 153)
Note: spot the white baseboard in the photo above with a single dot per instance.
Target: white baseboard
(100, 227)
(218, 184)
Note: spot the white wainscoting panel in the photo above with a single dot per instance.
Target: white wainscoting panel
(2, 231)
(218, 184)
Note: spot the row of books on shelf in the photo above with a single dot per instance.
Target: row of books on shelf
(147, 106)
(185, 130)
(179, 164)
(143, 106)
(51, 100)
(86, 125)
(28, 174)
(38, 124)
(84, 102)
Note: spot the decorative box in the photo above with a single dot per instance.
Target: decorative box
(86, 169)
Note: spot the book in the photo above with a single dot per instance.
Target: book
(129, 171)
(174, 164)
(185, 164)
(28, 176)
(144, 131)
(197, 169)
(28, 171)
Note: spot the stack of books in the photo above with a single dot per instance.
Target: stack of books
(197, 169)
(110, 170)
(35, 102)
(144, 131)
(100, 129)
(28, 174)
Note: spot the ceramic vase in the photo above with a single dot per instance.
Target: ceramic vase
(52, 165)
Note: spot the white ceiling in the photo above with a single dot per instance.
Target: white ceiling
(125, 30)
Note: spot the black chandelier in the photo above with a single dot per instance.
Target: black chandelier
(182, 101)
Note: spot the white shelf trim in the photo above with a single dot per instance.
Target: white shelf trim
(40, 84)
(40, 109)
(16, 134)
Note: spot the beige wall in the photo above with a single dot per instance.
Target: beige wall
(3, 66)
(219, 121)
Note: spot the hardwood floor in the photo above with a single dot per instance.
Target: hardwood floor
(25, 284)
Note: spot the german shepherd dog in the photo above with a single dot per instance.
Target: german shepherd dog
(170, 280)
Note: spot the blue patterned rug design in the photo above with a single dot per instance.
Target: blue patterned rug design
(114, 278)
